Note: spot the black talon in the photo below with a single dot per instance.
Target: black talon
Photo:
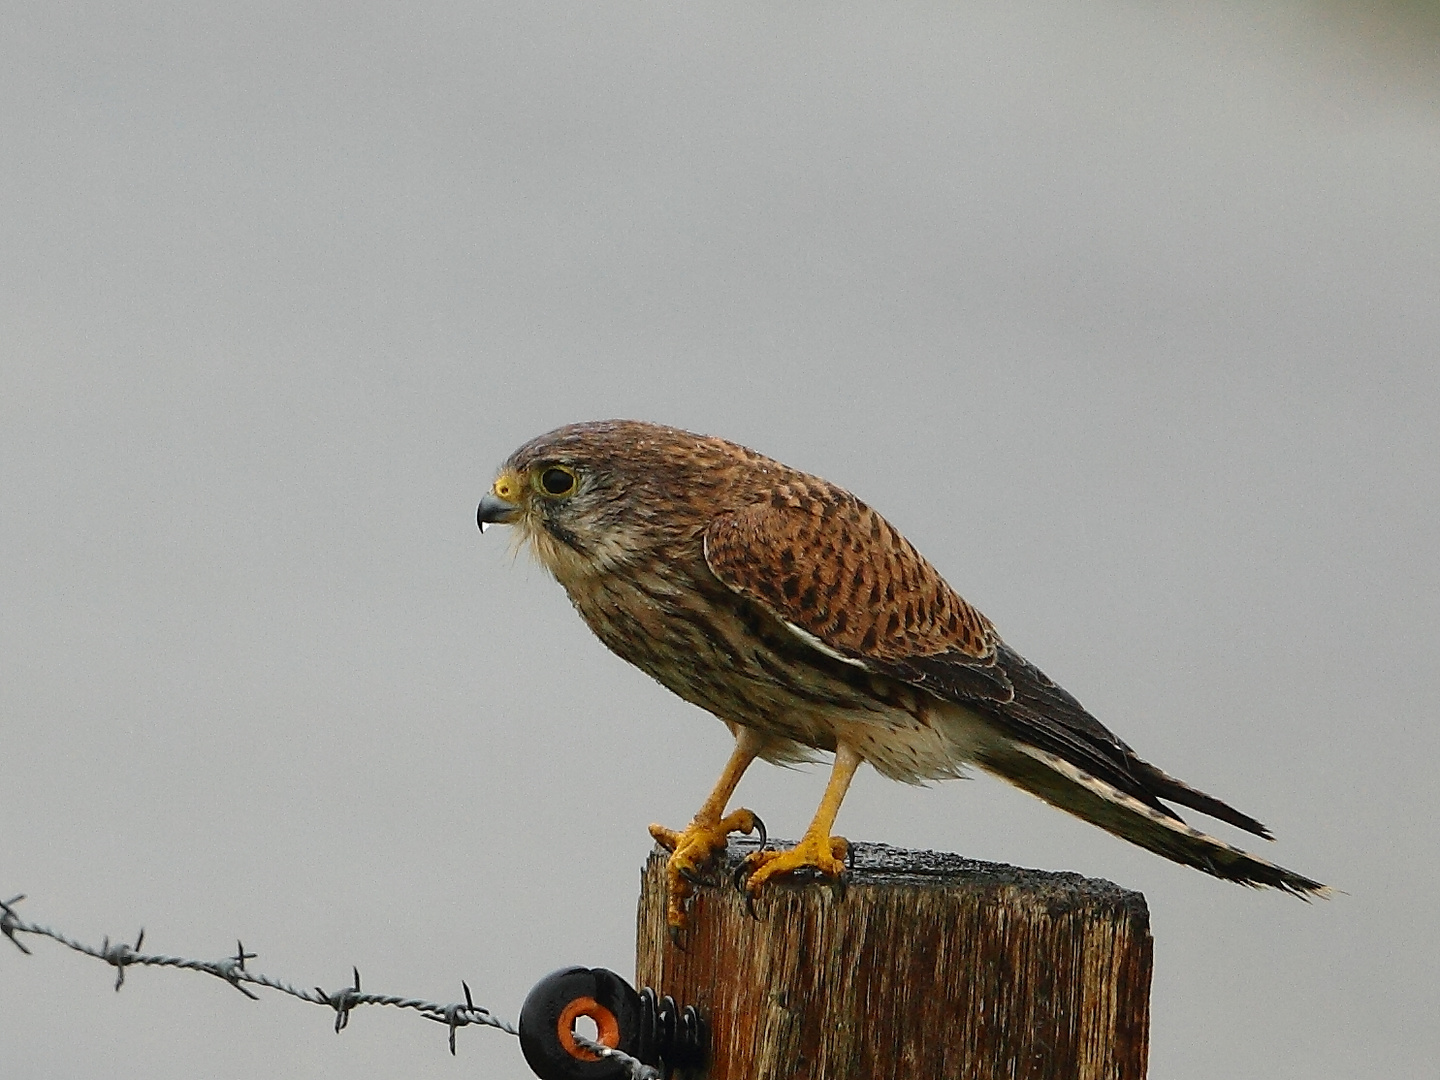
(760, 828)
(706, 880)
(738, 877)
(675, 936)
(739, 880)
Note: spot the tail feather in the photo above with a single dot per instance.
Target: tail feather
(1165, 786)
(1065, 785)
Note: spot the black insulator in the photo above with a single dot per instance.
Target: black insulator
(648, 1028)
(547, 1023)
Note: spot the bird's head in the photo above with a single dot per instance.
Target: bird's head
(589, 498)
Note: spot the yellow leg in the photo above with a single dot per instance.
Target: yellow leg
(694, 847)
(817, 850)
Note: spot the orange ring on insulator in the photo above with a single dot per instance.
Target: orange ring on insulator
(607, 1027)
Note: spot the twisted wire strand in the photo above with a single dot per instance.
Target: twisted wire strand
(232, 969)
(636, 1068)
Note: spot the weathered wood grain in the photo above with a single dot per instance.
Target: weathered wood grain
(931, 966)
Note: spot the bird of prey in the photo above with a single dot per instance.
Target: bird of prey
(804, 621)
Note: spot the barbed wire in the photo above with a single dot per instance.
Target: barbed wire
(232, 970)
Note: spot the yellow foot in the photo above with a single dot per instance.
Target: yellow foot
(693, 852)
(824, 856)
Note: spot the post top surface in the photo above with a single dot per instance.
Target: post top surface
(882, 864)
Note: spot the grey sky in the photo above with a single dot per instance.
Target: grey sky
(1126, 313)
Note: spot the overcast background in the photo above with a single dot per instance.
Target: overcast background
(1126, 312)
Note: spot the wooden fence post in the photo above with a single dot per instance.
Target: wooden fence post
(932, 966)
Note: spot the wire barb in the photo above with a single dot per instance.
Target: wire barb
(226, 969)
(120, 955)
(342, 1001)
(458, 1016)
(10, 922)
(232, 970)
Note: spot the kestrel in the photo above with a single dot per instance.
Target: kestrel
(804, 621)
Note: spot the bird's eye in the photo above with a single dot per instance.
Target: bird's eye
(557, 480)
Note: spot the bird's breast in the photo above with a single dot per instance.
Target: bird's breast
(725, 654)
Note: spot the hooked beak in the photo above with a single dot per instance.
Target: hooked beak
(495, 511)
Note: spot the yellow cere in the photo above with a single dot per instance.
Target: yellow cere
(508, 487)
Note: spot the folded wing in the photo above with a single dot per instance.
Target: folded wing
(849, 584)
